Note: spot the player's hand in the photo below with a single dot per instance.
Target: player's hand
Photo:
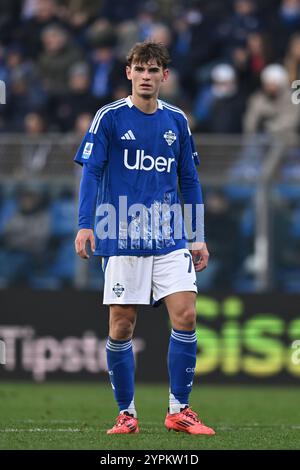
(83, 236)
(200, 255)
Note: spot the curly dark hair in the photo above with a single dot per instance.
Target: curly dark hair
(142, 52)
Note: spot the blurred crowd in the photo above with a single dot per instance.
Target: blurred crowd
(233, 61)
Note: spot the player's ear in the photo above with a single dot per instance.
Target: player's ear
(128, 72)
(165, 75)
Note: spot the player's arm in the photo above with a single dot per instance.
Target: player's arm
(191, 191)
(87, 205)
(92, 156)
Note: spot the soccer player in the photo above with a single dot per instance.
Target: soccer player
(134, 154)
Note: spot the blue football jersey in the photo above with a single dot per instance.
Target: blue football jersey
(139, 159)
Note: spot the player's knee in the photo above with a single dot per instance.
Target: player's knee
(188, 319)
(121, 329)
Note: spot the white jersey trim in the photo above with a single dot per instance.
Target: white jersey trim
(102, 111)
(177, 110)
(130, 103)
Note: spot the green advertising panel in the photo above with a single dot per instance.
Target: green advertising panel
(251, 336)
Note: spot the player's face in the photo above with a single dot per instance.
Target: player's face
(146, 78)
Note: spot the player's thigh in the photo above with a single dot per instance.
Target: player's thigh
(173, 272)
(127, 280)
(181, 307)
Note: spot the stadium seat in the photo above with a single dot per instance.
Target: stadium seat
(7, 210)
(63, 266)
(239, 193)
(63, 217)
(289, 192)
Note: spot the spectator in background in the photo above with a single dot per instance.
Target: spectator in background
(146, 19)
(219, 106)
(34, 124)
(59, 54)
(78, 100)
(128, 34)
(79, 15)
(162, 33)
(25, 237)
(168, 9)
(82, 123)
(170, 90)
(194, 44)
(10, 11)
(292, 58)
(18, 64)
(239, 59)
(34, 152)
(122, 90)
(181, 43)
(29, 34)
(260, 54)
(24, 96)
(222, 233)
(107, 69)
(283, 24)
(117, 11)
(270, 110)
(240, 24)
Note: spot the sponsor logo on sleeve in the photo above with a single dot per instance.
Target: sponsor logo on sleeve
(87, 150)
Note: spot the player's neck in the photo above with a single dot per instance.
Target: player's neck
(147, 106)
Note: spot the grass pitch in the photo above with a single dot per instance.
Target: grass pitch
(76, 416)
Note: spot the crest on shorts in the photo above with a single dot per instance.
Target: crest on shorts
(170, 137)
(118, 289)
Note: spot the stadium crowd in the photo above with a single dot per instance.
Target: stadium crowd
(62, 58)
(233, 63)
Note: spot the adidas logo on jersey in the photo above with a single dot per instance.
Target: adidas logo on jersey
(147, 162)
(129, 135)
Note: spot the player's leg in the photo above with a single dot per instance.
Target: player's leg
(182, 347)
(174, 281)
(181, 364)
(121, 367)
(120, 360)
(127, 283)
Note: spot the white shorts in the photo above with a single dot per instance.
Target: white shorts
(130, 279)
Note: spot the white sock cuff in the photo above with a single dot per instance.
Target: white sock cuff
(117, 347)
(184, 337)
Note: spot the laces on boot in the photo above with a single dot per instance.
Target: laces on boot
(191, 414)
(121, 419)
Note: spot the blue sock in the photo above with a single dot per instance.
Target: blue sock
(181, 364)
(120, 362)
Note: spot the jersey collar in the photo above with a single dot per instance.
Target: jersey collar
(130, 103)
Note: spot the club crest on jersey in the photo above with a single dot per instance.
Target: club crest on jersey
(170, 137)
(118, 289)
(87, 150)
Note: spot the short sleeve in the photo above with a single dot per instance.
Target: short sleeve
(94, 146)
